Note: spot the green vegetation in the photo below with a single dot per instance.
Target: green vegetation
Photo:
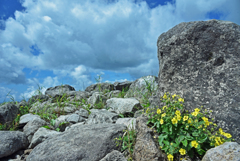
(179, 133)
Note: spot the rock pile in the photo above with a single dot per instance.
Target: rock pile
(83, 136)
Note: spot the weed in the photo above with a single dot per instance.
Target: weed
(127, 141)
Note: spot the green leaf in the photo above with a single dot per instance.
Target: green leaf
(195, 133)
(203, 139)
(165, 129)
(47, 127)
(161, 138)
(165, 148)
(170, 129)
(188, 137)
(166, 142)
(179, 139)
(201, 151)
(185, 143)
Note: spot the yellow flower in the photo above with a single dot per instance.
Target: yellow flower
(195, 113)
(228, 135)
(181, 100)
(185, 118)
(194, 144)
(170, 157)
(220, 130)
(197, 110)
(173, 96)
(161, 121)
(174, 121)
(196, 120)
(179, 117)
(190, 121)
(205, 119)
(182, 151)
(206, 123)
(158, 111)
(147, 110)
(163, 115)
(178, 112)
(218, 141)
(165, 96)
(164, 107)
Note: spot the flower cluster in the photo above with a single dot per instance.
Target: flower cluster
(181, 132)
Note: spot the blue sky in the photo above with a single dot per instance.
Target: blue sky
(45, 43)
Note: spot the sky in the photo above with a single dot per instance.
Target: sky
(46, 43)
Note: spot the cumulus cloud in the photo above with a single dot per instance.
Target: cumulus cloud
(79, 37)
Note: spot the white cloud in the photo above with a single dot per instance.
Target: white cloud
(47, 18)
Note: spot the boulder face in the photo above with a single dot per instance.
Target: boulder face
(79, 143)
(200, 61)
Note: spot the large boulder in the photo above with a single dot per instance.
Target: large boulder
(12, 141)
(200, 61)
(89, 142)
(57, 90)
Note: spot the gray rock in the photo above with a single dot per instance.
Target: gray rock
(129, 122)
(11, 142)
(140, 87)
(73, 118)
(82, 112)
(101, 117)
(114, 156)
(96, 98)
(32, 126)
(123, 105)
(41, 135)
(74, 125)
(65, 108)
(146, 148)
(58, 90)
(8, 113)
(103, 87)
(24, 119)
(122, 85)
(85, 143)
(113, 94)
(228, 151)
(61, 119)
(200, 61)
